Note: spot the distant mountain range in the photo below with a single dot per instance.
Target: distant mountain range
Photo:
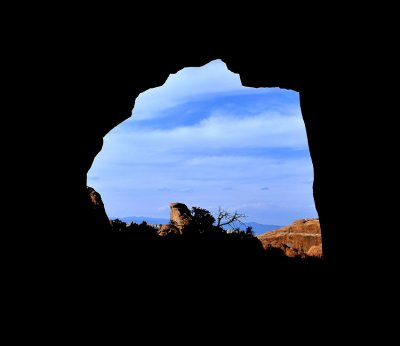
(258, 228)
(149, 220)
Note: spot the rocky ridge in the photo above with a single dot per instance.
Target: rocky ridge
(300, 238)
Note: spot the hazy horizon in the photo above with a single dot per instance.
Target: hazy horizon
(205, 140)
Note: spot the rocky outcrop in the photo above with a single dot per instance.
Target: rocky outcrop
(180, 219)
(95, 199)
(97, 212)
(180, 216)
(315, 251)
(301, 238)
(168, 229)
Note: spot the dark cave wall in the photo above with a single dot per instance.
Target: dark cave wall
(106, 92)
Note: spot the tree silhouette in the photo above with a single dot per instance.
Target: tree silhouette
(117, 225)
(202, 220)
(249, 232)
(226, 218)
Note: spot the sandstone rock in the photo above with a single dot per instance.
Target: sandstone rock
(180, 219)
(95, 199)
(168, 229)
(315, 251)
(295, 239)
(180, 216)
(97, 213)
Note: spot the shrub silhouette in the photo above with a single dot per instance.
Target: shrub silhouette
(204, 244)
(142, 230)
(202, 220)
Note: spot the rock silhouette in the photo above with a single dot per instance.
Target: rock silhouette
(98, 216)
(91, 79)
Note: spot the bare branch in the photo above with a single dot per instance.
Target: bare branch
(225, 218)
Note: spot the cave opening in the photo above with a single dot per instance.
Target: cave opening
(205, 140)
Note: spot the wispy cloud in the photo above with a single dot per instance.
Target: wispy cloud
(239, 141)
(187, 84)
(216, 132)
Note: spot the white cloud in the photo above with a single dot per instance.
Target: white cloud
(189, 83)
(217, 132)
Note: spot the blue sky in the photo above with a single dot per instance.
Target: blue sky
(205, 140)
